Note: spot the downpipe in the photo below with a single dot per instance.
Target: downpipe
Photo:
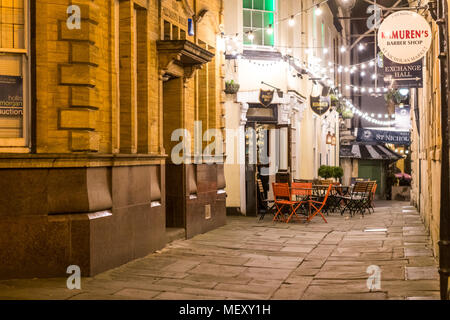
(444, 241)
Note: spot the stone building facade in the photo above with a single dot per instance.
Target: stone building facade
(275, 60)
(91, 91)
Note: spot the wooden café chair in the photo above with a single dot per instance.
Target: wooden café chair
(266, 206)
(302, 191)
(283, 199)
(319, 205)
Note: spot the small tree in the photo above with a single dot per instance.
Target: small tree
(325, 172)
(338, 173)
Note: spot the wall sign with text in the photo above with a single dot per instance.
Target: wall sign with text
(11, 96)
(404, 37)
(384, 136)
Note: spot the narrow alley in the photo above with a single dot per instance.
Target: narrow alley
(248, 259)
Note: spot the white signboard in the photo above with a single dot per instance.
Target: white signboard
(404, 37)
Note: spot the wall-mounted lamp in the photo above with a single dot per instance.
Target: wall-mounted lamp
(333, 140)
(329, 138)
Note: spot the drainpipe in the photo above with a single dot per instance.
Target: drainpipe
(444, 242)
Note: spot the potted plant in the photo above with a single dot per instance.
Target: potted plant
(231, 87)
(325, 172)
(392, 97)
(334, 101)
(338, 173)
(347, 114)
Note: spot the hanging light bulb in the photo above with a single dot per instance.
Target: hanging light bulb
(250, 35)
(371, 63)
(270, 29)
(318, 10)
(363, 73)
(346, 69)
(291, 21)
(343, 49)
(347, 87)
(363, 89)
(361, 47)
(374, 77)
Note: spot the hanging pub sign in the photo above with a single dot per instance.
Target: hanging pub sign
(403, 117)
(404, 37)
(384, 136)
(320, 104)
(403, 75)
(266, 97)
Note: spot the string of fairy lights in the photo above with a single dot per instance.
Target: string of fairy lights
(317, 68)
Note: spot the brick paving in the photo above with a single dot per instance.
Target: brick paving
(248, 259)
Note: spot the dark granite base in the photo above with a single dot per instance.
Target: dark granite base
(186, 209)
(36, 242)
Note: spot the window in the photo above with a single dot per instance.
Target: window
(259, 16)
(13, 73)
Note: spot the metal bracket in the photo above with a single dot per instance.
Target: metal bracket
(432, 7)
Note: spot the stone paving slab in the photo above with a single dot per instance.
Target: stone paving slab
(250, 259)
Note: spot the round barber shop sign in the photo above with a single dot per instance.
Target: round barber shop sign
(404, 37)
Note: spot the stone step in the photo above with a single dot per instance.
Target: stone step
(173, 234)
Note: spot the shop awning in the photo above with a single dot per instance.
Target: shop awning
(368, 152)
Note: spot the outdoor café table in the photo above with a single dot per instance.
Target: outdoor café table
(305, 197)
(319, 191)
(339, 192)
(333, 200)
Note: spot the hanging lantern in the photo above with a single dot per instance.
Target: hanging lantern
(329, 138)
(333, 140)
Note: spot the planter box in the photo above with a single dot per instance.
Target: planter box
(231, 88)
(401, 193)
